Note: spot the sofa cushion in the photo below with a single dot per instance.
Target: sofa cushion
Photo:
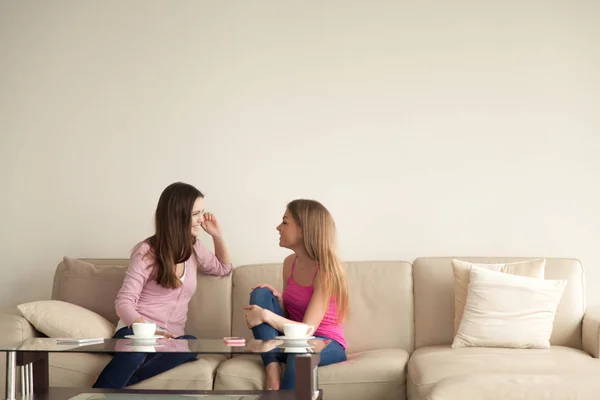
(372, 374)
(429, 365)
(462, 271)
(376, 374)
(245, 372)
(506, 310)
(76, 370)
(89, 285)
(516, 387)
(381, 297)
(82, 370)
(209, 311)
(58, 319)
(434, 299)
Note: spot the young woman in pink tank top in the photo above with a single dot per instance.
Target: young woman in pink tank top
(314, 291)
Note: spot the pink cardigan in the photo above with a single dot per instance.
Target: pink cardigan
(141, 296)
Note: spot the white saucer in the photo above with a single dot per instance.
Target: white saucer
(148, 348)
(298, 349)
(149, 345)
(143, 339)
(296, 341)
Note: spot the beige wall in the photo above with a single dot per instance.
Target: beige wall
(427, 128)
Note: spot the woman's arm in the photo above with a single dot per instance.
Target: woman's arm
(136, 277)
(210, 263)
(221, 250)
(286, 272)
(315, 312)
(213, 264)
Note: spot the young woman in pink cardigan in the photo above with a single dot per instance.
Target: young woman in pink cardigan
(161, 280)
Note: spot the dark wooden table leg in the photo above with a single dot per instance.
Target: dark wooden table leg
(40, 371)
(307, 376)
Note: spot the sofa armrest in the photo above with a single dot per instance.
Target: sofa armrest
(591, 331)
(15, 328)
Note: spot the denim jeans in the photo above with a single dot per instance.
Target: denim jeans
(128, 368)
(332, 353)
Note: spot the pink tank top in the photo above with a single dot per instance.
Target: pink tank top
(296, 299)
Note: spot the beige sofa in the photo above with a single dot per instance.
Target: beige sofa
(399, 332)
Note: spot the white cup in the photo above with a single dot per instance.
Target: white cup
(297, 331)
(144, 329)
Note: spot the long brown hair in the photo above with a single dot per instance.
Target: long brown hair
(173, 242)
(319, 238)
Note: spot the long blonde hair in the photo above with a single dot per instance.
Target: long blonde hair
(319, 237)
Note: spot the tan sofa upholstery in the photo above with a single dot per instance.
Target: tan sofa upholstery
(434, 360)
(13, 328)
(399, 332)
(379, 332)
(95, 288)
(516, 387)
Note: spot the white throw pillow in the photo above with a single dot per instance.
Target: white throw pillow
(505, 310)
(532, 268)
(58, 319)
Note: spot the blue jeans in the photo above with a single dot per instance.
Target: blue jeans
(128, 368)
(331, 354)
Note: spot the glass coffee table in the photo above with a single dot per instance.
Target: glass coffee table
(31, 356)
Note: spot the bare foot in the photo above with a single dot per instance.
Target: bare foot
(273, 376)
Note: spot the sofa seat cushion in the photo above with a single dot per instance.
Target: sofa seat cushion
(516, 387)
(369, 374)
(429, 365)
(76, 369)
(245, 372)
(82, 370)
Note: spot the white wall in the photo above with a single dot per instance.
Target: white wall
(427, 128)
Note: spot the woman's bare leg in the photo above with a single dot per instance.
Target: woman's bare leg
(273, 375)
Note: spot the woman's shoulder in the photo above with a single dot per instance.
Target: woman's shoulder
(141, 252)
(287, 265)
(289, 260)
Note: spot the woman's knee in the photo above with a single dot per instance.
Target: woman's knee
(261, 296)
(121, 333)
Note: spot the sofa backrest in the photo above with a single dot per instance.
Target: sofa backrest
(381, 302)
(94, 284)
(90, 283)
(434, 299)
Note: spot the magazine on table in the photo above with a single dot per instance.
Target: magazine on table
(79, 340)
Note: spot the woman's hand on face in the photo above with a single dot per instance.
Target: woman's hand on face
(211, 225)
(271, 288)
(254, 315)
